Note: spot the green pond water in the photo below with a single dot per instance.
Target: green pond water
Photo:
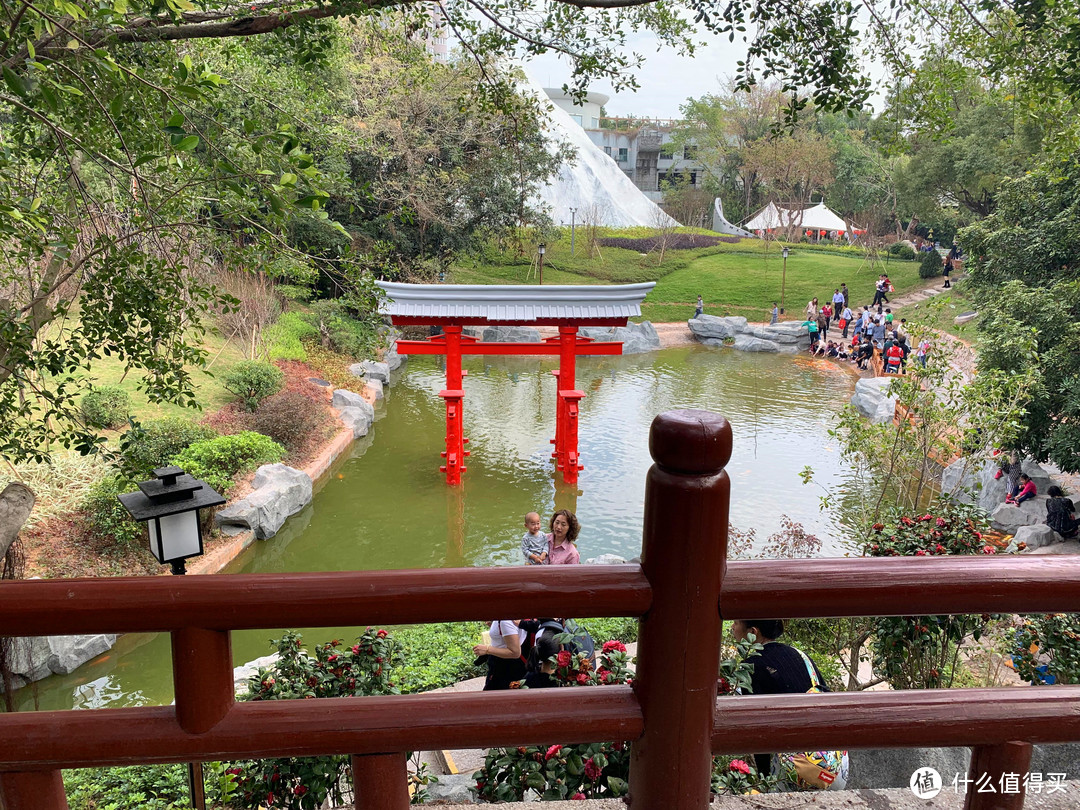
(387, 506)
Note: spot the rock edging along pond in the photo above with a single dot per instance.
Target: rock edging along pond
(735, 332)
(278, 492)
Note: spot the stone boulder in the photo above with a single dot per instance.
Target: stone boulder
(358, 420)
(454, 788)
(716, 328)
(375, 388)
(371, 370)
(242, 673)
(969, 482)
(1036, 536)
(392, 359)
(637, 337)
(511, 334)
(606, 559)
(871, 401)
(344, 398)
(37, 657)
(597, 332)
(1009, 518)
(472, 330)
(279, 492)
(779, 333)
(746, 343)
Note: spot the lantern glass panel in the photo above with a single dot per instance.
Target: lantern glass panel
(179, 536)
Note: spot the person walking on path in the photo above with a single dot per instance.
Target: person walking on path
(845, 319)
(844, 292)
(838, 302)
(775, 314)
(812, 310)
(947, 270)
(700, 307)
(827, 314)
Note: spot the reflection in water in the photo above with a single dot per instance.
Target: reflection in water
(387, 505)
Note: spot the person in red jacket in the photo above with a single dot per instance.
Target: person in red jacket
(894, 356)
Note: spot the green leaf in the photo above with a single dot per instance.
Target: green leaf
(288, 179)
(144, 159)
(187, 144)
(16, 84)
(249, 126)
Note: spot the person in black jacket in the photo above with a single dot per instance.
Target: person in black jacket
(1059, 513)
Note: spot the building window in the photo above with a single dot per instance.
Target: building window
(594, 123)
(690, 151)
(607, 151)
(624, 155)
(577, 119)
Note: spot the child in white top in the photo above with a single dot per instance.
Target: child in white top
(534, 541)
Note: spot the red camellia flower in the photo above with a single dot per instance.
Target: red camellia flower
(552, 752)
(592, 770)
(920, 553)
(739, 765)
(907, 521)
(563, 658)
(723, 686)
(989, 550)
(927, 517)
(940, 549)
(582, 679)
(299, 790)
(381, 634)
(878, 527)
(614, 645)
(331, 659)
(356, 649)
(578, 797)
(269, 799)
(940, 523)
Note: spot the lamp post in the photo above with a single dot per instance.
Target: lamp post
(169, 505)
(541, 249)
(783, 279)
(573, 222)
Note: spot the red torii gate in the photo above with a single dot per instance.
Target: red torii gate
(453, 306)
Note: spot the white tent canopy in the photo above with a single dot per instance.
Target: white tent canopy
(817, 218)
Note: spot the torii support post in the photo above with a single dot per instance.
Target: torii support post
(454, 396)
(567, 407)
(683, 555)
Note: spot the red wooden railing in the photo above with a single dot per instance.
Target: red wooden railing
(671, 713)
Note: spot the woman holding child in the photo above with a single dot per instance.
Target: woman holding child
(564, 531)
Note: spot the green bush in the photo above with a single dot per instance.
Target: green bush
(288, 418)
(437, 655)
(343, 332)
(931, 265)
(149, 446)
(106, 407)
(141, 787)
(286, 337)
(902, 251)
(253, 382)
(217, 461)
(104, 518)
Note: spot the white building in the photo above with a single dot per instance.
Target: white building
(636, 145)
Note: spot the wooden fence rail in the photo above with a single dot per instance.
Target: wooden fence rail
(671, 713)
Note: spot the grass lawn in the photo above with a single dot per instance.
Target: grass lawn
(940, 312)
(738, 279)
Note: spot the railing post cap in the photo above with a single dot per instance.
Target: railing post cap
(690, 441)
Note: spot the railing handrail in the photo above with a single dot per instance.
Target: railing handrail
(339, 599)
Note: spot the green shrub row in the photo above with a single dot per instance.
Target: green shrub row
(286, 337)
(217, 461)
(253, 381)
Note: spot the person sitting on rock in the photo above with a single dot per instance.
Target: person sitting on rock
(1059, 513)
(1026, 493)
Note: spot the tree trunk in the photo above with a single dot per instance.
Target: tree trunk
(16, 501)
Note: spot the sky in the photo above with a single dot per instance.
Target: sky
(666, 78)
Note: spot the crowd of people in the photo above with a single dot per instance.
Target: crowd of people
(862, 331)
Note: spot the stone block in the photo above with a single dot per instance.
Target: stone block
(637, 337)
(712, 326)
(375, 388)
(1036, 536)
(746, 343)
(358, 420)
(511, 334)
(279, 492)
(343, 398)
(68, 653)
(606, 559)
(871, 400)
(1009, 518)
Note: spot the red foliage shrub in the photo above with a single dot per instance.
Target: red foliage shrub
(677, 241)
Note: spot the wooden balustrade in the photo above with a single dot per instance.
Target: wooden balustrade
(671, 713)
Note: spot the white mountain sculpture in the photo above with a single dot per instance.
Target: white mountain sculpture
(594, 185)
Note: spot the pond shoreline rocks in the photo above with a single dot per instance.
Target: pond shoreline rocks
(872, 401)
(734, 331)
(280, 491)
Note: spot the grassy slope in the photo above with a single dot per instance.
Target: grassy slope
(743, 278)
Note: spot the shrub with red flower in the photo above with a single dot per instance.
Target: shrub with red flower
(738, 777)
(920, 652)
(331, 670)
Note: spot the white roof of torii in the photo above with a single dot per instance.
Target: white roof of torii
(513, 303)
(818, 217)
